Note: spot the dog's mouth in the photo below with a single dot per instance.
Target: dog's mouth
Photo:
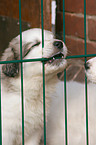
(56, 58)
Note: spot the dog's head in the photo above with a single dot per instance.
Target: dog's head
(32, 49)
(90, 68)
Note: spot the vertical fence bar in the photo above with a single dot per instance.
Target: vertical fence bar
(64, 21)
(0, 112)
(22, 98)
(65, 99)
(42, 24)
(65, 96)
(44, 106)
(44, 110)
(86, 98)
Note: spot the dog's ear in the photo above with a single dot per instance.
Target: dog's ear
(10, 69)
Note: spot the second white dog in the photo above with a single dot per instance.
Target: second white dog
(76, 114)
(90, 67)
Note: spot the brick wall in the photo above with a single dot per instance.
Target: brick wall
(74, 25)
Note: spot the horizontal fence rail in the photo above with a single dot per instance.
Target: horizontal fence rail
(47, 59)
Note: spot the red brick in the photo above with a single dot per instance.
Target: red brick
(92, 29)
(74, 25)
(91, 7)
(78, 6)
(76, 46)
(72, 6)
(91, 47)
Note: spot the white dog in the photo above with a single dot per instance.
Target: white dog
(90, 67)
(76, 112)
(33, 84)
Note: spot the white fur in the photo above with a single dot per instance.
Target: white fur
(76, 111)
(91, 72)
(76, 115)
(11, 86)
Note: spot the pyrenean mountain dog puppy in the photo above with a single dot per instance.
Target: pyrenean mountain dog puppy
(33, 84)
(76, 112)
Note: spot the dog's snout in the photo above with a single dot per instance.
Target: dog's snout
(58, 44)
(87, 65)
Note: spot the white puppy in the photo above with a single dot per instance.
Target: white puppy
(33, 84)
(76, 112)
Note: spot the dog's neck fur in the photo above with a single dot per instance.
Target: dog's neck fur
(14, 85)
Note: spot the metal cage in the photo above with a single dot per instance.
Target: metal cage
(42, 60)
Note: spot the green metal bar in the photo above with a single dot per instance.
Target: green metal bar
(86, 95)
(65, 103)
(85, 28)
(46, 59)
(44, 107)
(86, 103)
(0, 112)
(42, 24)
(64, 20)
(65, 96)
(22, 97)
(81, 56)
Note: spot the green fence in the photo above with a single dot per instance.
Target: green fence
(42, 60)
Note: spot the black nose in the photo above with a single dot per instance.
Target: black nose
(58, 44)
(87, 65)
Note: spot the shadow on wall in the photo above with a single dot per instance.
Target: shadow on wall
(9, 28)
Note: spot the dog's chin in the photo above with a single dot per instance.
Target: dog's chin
(56, 66)
(57, 59)
(55, 62)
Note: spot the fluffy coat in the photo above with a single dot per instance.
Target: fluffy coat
(76, 115)
(33, 84)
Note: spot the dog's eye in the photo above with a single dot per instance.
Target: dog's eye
(28, 47)
(38, 43)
